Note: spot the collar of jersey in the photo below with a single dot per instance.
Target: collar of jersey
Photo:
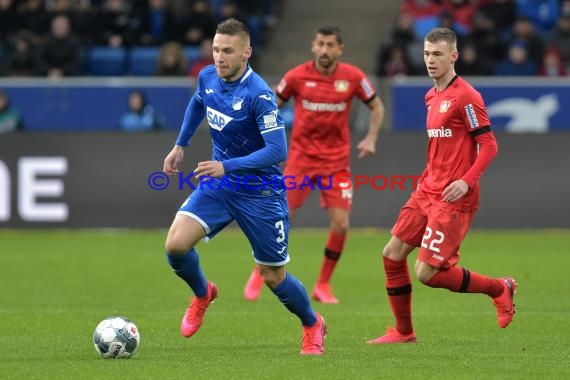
(235, 83)
(449, 84)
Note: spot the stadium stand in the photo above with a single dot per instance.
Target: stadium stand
(142, 61)
(500, 34)
(116, 43)
(106, 61)
(120, 37)
(192, 53)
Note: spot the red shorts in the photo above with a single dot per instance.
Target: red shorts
(433, 227)
(299, 180)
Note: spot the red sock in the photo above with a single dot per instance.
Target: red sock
(461, 280)
(399, 287)
(333, 250)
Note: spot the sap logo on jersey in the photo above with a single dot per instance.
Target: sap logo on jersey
(216, 119)
(440, 132)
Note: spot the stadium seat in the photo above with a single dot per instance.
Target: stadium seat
(255, 25)
(106, 61)
(192, 53)
(216, 6)
(423, 25)
(143, 61)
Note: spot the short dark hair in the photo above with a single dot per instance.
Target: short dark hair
(442, 34)
(232, 27)
(330, 30)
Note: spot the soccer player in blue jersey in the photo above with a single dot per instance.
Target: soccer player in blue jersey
(248, 143)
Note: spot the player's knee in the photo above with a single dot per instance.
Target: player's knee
(424, 272)
(340, 227)
(396, 249)
(175, 245)
(392, 250)
(272, 276)
(422, 277)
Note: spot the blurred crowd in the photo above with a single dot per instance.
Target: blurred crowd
(57, 38)
(78, 37)
(496, 37)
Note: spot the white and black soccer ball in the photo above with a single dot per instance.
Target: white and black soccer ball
(116, 337)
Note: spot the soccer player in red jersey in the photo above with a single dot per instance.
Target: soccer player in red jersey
(438, 214)
(323, 89)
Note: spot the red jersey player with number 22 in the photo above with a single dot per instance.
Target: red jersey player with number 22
(438, 214)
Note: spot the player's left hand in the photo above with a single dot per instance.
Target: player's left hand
(366, 148)
(455, 191)
(209, 168)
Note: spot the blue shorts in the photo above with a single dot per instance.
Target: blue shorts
(263, 219)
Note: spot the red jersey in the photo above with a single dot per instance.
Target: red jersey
(455, 116)
(321, 137)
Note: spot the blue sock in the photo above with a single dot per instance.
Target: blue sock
(293, 295)
(187, 267)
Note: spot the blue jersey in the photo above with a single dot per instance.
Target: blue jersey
(248, 137)
(239, 113)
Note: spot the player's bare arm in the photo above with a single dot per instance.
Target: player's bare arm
(173, 160)
(455, 191)
(209, 168)
(367, 147)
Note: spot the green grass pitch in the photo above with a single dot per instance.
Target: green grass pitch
(57, 285)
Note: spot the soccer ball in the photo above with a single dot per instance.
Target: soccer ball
(116, 337)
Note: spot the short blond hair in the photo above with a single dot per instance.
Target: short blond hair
(233, 27)
(442, 34)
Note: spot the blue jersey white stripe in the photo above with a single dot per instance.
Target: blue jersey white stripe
(271, 130)
(248, 72)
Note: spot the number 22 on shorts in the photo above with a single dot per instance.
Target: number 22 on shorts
(431, 242)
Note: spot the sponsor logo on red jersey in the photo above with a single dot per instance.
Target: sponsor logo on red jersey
(439, 132)
(471, 116)
(324, 107)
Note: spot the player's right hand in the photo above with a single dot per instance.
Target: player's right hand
(173, 160)
(455, 191)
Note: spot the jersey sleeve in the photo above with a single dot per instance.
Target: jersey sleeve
(364, 90)
(193, 116)
(473, 112)
(272, 128)
(488, 150)
(266, 113)
(199, 85)
(286, 87)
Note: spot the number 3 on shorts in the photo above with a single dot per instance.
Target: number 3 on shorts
(432, 245)
(281, 229)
